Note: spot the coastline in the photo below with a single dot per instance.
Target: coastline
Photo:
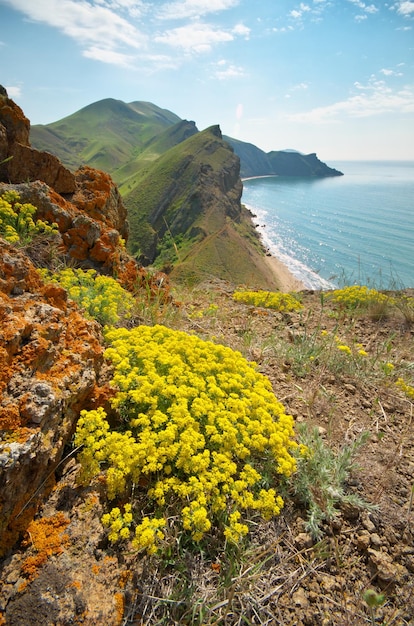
(283, 276)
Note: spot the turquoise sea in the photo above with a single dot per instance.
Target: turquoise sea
(353, 229)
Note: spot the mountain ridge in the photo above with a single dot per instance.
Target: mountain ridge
(149, 120)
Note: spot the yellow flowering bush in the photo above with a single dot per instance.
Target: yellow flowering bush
(202, 429)
(101, 297)
(16, 220)
(269, 299)
(357, 296)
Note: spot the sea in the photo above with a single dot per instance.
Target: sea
(331, 232)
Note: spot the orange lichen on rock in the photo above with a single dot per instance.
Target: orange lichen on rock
(120, 606)
(47, 537)
(50, 359)
(98, 196)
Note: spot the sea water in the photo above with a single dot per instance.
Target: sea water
(351, 229)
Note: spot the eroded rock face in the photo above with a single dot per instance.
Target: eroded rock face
(50, 359)
(94, 242)
(19, 161)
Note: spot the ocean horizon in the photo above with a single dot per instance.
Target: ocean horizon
(330, 232)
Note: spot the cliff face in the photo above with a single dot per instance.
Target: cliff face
(18, 161)
(52, 367)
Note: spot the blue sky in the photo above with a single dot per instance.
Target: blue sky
(334, 77)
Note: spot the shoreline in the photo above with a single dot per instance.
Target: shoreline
(283, 276)
(262, 176)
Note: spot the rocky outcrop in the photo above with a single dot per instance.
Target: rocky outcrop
(19, 161)
(50, 360)
(86, 206)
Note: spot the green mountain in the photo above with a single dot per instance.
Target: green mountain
(105, 135)
(181, 187)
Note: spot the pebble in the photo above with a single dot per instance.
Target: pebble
(299, 597)
(367, 524)
(363, 540)
(375, 539)
(303, 541)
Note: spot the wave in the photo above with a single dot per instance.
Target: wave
(277, 247)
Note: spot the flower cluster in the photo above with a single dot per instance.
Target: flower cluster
(406, 388)
(204, 431)
(16, 220)
(270, 299)
(101, 297)
(118, 523)
(357, 296)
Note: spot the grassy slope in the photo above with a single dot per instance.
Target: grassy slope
(106, 134)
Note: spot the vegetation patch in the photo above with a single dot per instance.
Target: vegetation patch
(17, 223)
(202, 430)
(101, 297)
(269, 299)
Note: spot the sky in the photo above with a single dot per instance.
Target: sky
(335, 77)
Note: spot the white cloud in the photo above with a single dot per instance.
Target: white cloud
(225, 70)
(387, 72)
(375, 98)
(13, 91)
(109, 56)
(94, 26)
(194, 8)
(194, 37)
(242, 30)
(367, 8)
(405, 8)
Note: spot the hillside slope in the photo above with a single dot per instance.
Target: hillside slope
(185, 214)
(105, 134)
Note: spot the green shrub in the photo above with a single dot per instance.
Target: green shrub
(320, 481)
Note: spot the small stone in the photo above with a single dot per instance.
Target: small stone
(363, 540)
(300, 598)
(350, 511)
(367, 524)
(328, 583)
(303, 541)
(382, 566)
(375, 540)
(350, 388)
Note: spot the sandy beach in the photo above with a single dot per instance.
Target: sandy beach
(286, 280)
